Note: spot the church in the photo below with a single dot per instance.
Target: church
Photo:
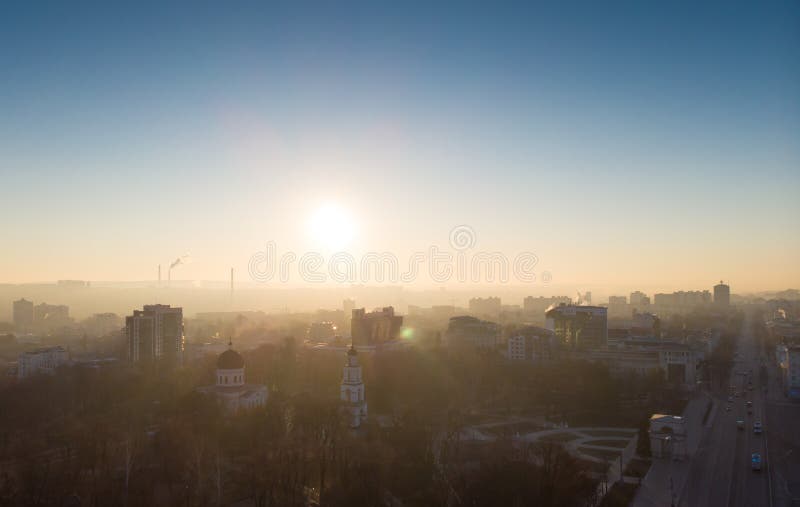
(352, 390)
(231, 389)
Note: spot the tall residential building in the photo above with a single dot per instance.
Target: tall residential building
(537, 306)
(41, 361)
(375, 327)
(531, 344)
(23, 314)
(639, 300)
(50, 315)
(155, 333)
(617, 305)
(722, 294)
(348, 305)
(352, 391)
(471, 332)
(578, 326)
(485, 307)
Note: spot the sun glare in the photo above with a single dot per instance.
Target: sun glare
(331, 227)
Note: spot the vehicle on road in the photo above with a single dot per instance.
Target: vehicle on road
(757, 428)
(727, 408)
(730, 399)
(755, 462)
(740, 424)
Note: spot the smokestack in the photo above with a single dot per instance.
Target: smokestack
(177, 262)
(159, 275)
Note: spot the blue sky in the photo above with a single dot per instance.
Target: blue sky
(631, 143)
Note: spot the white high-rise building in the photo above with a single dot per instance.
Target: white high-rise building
(352, 390)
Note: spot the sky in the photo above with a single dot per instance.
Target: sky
(629, 144)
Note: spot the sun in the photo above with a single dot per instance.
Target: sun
(331, 227)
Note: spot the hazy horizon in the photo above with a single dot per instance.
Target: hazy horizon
(650, 146)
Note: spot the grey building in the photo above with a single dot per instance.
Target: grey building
(155, 333)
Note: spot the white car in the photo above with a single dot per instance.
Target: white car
(757, 428)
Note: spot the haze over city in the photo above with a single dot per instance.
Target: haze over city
(409, 254)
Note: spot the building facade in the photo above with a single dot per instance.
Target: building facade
(578, 326)
(722, 294)
(155, 333)
(352, 392)
(375, 327)
(41, 361)
(485, 307)
(531, 344)
(471, 332)
(23, 314)
(45, 315)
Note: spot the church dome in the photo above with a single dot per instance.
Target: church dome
(230, 360)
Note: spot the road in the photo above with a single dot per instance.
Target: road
(720, 471)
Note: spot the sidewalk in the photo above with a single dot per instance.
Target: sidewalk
(666, 478)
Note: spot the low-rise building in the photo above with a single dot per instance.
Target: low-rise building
(41, 361)
(677, 362)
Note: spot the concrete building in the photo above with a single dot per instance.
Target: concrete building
(578, 326)
(535, 307)
(45, 315)
(681, 301)
(677, 362)
(722, 294)
(41, 361)
(531, 344)
(352, 392)
(639, 301)
(468, 331)
(231, 388)
(789, 363)
(485, 307)
(645, 324)
(376, 327)
(155, 333)
(101, 324)
(23, 314)
(618, 305)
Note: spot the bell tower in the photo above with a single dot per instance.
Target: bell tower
(352, 390)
